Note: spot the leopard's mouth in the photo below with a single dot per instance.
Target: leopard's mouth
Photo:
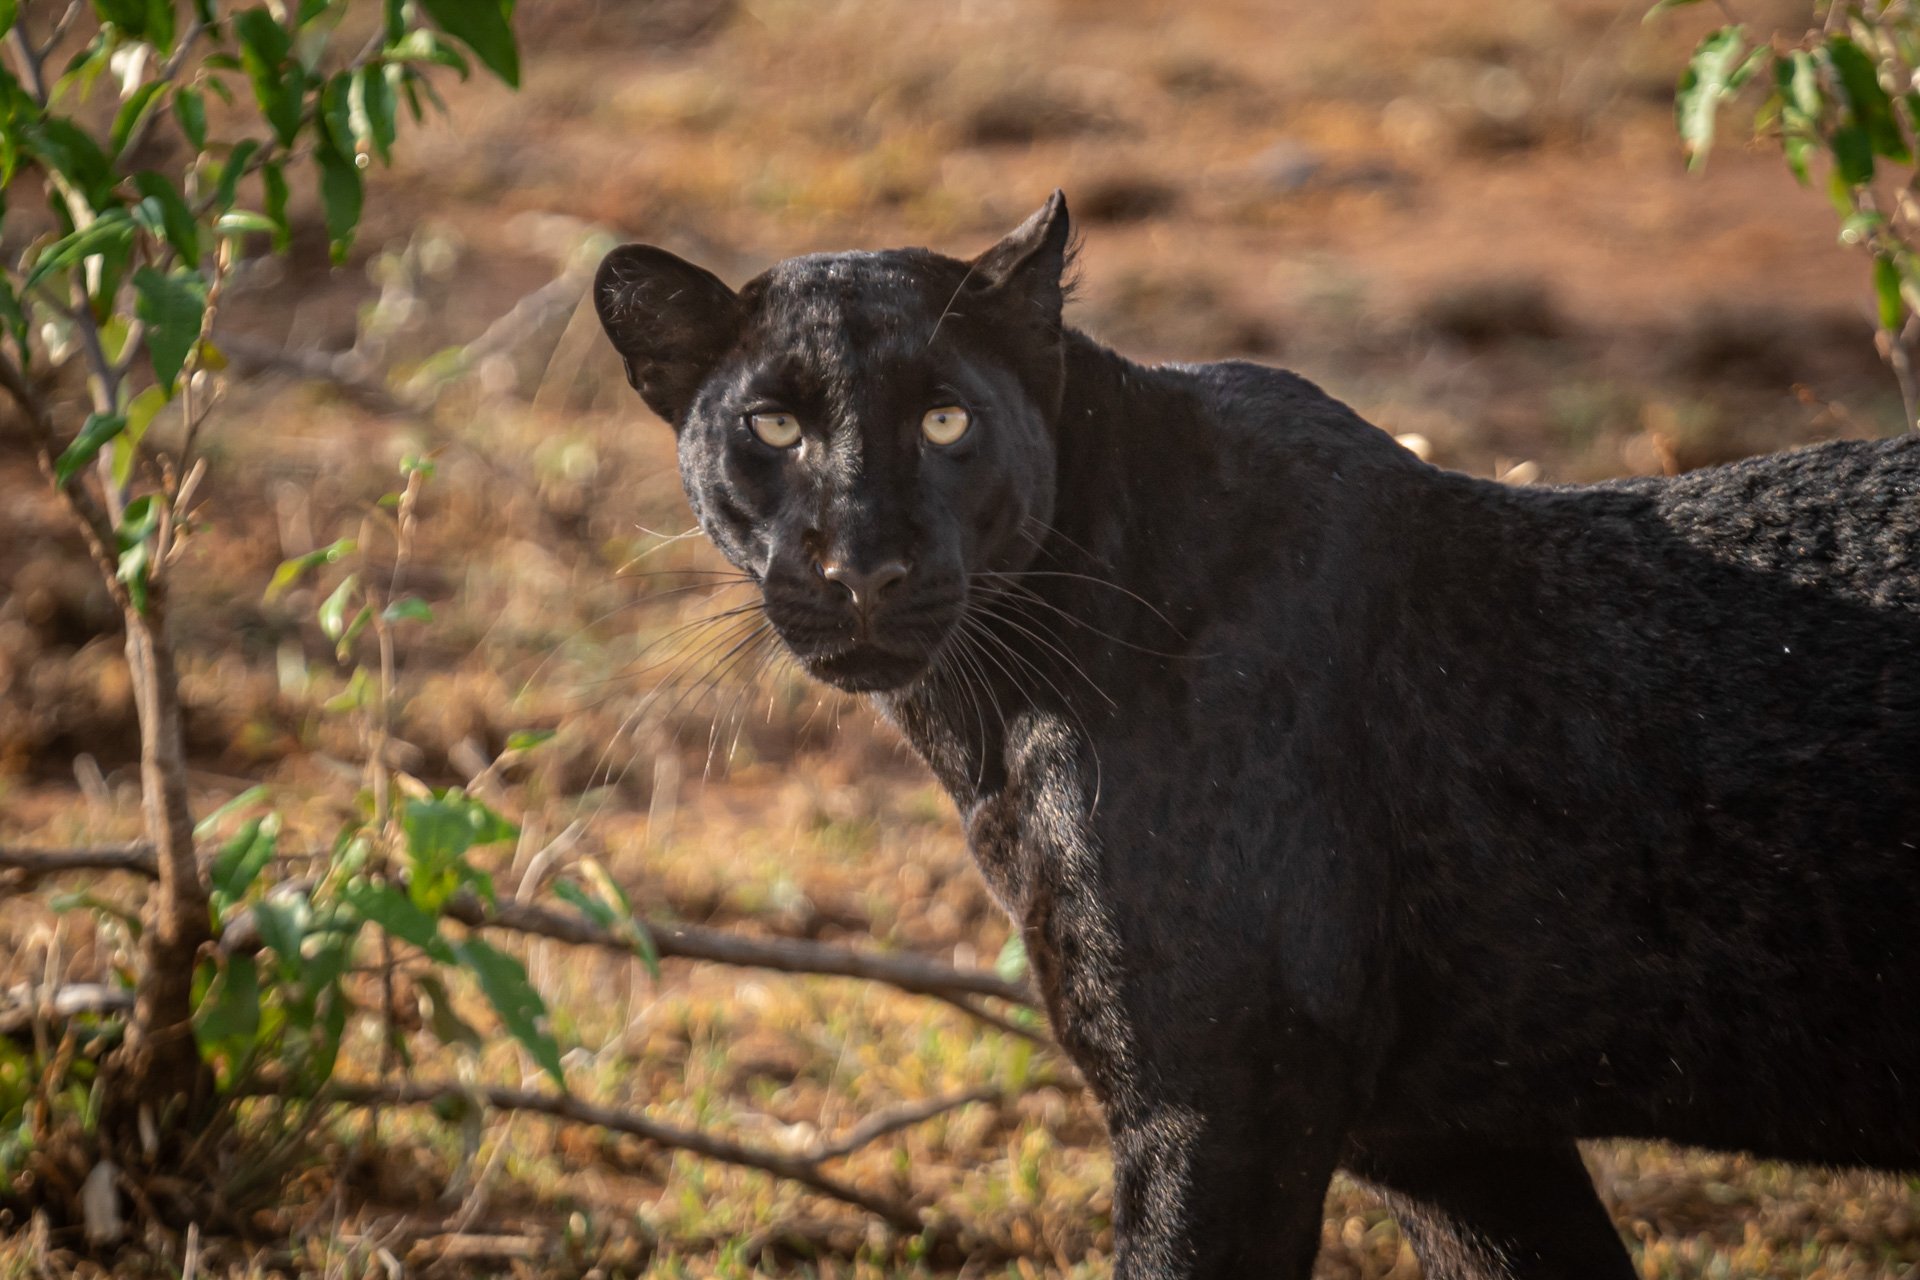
(864, 667)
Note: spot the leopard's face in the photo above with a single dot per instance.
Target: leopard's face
(863, 434)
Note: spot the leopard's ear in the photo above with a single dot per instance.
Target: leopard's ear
(670, 321)
(1029, 267)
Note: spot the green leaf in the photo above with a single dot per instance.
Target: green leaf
(455, 823)
(1011, 964)
(325, 1049)
(609, 906)
(1886, 288)
(236, 222)
(9, 10)
(292, 570)
(137, 522)
(1797, 148)
(231, 172)
(112, 230)
(86, 66)
(528, 739)
(1759, 58)
(370, 110)
(439, 832)
(173, 307)
(344, 646)
(282, 922)
(1871, 108)
(228, 1020)
(66, 149)
(273, 180)
(176, 218)
(94, 435)
(131, 111)
(407, 609)
(251, 796)
(333, 610)
(324, 964)
(591, 907)
(448, 1027)
(160, 24)
(504, 982)
(356, 695)
(190, 110)
(129, 15)
(242, 859)
(278, 85)
(1799, 76)
(12, 315)
(135, 554)
(387, 907)
(340, 196)
(484, 26)
(126, 445)
(1852, 155)
(335, 114)
(135, 570)
(86, 900)
(1706, 82)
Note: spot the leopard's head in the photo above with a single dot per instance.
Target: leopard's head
(862, 433)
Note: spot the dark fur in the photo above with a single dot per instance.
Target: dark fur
(1357, 813)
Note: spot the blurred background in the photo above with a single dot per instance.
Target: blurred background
(1468, 218)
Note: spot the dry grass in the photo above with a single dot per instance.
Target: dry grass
(1468, 220)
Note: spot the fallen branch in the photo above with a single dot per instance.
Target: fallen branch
(802, 1169)
(914, 974)
(906, 972)
(24, 868)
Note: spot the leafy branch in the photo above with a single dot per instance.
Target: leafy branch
(1841, 96)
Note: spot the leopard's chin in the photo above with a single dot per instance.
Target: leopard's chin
(865, 668)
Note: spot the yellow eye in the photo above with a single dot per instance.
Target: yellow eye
(946, 424)
(781, 430)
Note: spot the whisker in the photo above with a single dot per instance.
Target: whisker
(768, 653)
(634, 668)
(1011, 575)
(632, 719)
(1028, 593)
(557, 647)
(753, 655)
(1067, 704)
(665, 718)
(984, 607)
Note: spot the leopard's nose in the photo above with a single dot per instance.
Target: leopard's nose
(866, 586)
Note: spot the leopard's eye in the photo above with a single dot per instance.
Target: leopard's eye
(946, 424)
(781, 430)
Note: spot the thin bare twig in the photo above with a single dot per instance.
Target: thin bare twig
(31, 60)
(891, 1120)
(971, 1006)
(95, 528)
(800, 1169)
